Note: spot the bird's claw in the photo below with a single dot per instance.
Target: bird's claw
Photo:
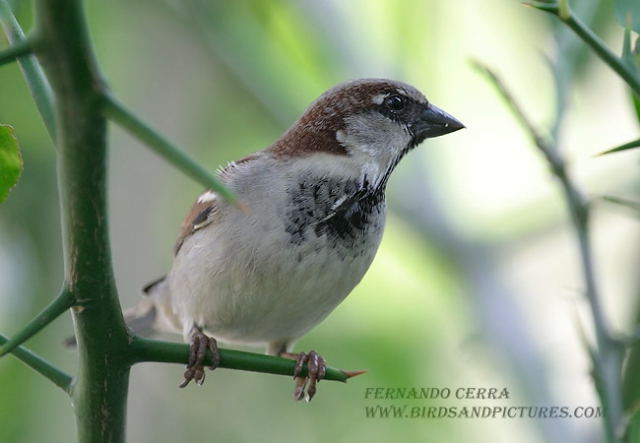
(316, 369)
(197, 353)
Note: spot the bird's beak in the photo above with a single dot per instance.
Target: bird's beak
(434, 122)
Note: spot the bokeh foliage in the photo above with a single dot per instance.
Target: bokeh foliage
(10, 161)
(439, 306)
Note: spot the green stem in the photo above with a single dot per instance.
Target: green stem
(614, 62)
(15, 51)
(31, 69)
(631, 384)
(607, 361)
(563, 9)
(52, 311)
(598, 46)
(634, 205)
(100, 392)
(117, 112)
(145, 350)
(57, 376)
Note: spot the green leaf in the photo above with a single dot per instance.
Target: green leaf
(636, 59)
(636, 105)
(631, 145)
(10, 161)
(628, 14)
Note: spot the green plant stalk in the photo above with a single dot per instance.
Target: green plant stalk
(563, 9)
(598, 46)
(145, 350)
(577, 205)
(629, 204)
(593, 41)
(57, 376)
(12, 53)
(635, 100)
(630, 391)
(608, 359)
(100, 391)
(630, 384)
(117, 112)
(31, 69)
(52, 311)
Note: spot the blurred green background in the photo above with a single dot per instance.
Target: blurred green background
(476, 283)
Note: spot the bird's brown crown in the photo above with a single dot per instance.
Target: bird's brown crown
(316, 129)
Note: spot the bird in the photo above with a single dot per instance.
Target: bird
(311, 220)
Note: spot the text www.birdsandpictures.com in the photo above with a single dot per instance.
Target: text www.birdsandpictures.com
(462, 403)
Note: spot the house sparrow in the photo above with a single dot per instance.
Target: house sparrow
(315, 219)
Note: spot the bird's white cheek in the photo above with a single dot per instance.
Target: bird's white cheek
(357, 146)
(374, 143)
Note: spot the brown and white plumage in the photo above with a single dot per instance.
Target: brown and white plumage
(317, 211)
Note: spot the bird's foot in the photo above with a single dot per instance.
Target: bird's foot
(200, 342)
(317, 368)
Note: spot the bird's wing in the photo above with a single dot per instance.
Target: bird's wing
(203, 210)
(199, 217)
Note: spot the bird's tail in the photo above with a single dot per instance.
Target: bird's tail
(141, 318)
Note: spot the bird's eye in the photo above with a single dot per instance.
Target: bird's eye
(394, 102)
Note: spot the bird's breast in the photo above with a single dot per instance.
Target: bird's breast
(276, 272)
(342, 214)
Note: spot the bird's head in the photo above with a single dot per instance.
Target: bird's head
(372, 122)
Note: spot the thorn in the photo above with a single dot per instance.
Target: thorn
(351, 374)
